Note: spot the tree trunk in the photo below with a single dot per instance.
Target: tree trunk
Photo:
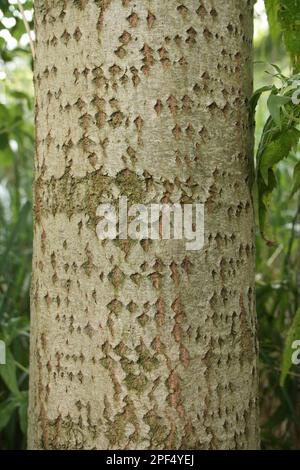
(139, 344)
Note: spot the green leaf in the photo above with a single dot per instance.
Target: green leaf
(23, 408)
(296, 179)
(275, 103)
(292, 336)
(277, 150)
(264, 199)
(6, 409)
(8, 373)
(255, 98)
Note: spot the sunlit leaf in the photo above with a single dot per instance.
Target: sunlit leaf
(275, 104)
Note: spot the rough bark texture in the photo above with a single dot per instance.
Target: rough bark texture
(140, 345)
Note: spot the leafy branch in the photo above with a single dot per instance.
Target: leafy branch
(279, 137)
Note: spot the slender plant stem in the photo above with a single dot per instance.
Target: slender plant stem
(27, 28)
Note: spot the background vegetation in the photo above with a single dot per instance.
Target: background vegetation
(278, 265)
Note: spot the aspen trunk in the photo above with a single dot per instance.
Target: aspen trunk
(139, 344)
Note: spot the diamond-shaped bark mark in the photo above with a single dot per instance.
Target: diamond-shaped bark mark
(133, 19)
(136, 278)
(97, 72)
(124, 79)
(125, 38)
(183, 62)
(177, 332)
(159, 265)
(190, 131)
(164, 59)
(145, 244)
(67, 146)
(80, 104)
(115, 70)
(176, 132)
(143, 319)
(191, 39)
(116, 277)
(213, 300)
(81, 4)
(48, 299)
(224, 295)
(89, 330)
(99, 77)
(156, 280)
(139, 122)
(53, 40)
(86, 71)
(183, 10)
(100, 118)
(115, 306)
(201, 11)
(150, 19)
(176, 306)
(172, 103)
(86, 144)
(186, 103)
(77, 34)
(53, 260)
(132, 307)
(66, 36)
(131, 152)
(158, 107)
(148, 59)
(213, 13)
(116, 119)
(120, 52)
(178, 40)
(121, 349)
(85, 120)
(126, 246)
(157, 345)
(186, 265)
(98, 102)
(144, 266)
(207, 34)
(135, 76)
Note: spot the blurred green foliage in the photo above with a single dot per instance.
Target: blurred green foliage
(16, 159)
(278, 266)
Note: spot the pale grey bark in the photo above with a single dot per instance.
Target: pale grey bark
(139, 345)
